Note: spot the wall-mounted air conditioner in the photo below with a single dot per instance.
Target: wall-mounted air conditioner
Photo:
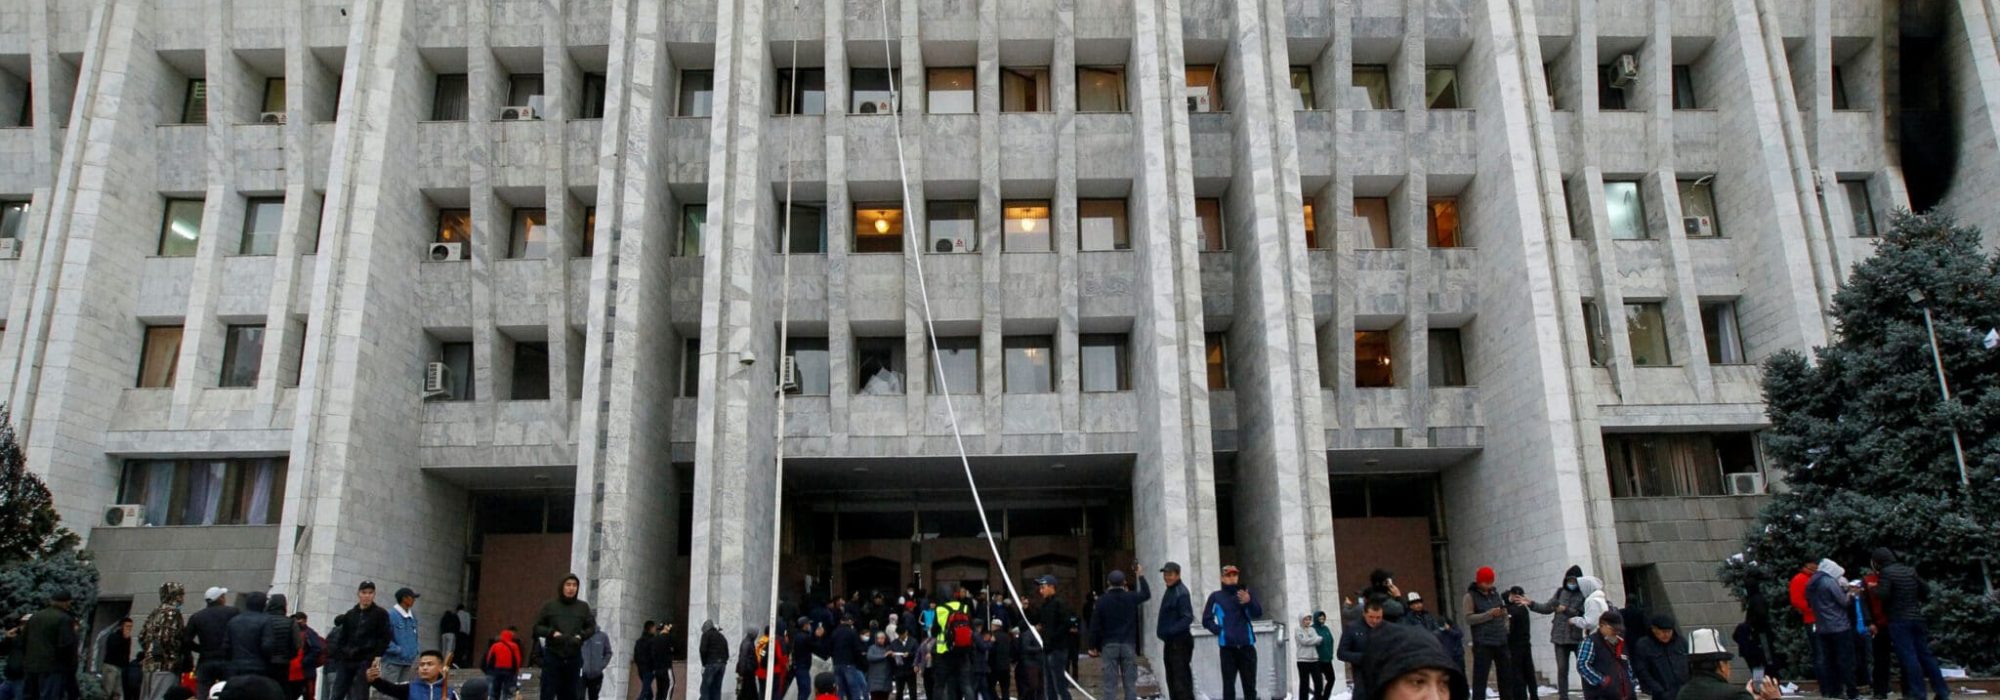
(271, 118)
(517, 113)
(1746, 484)
(435, 374)
(10, 248)
(124, 515)
(1698, 226)
(788, 376)
(1624, 70)
(452, 251)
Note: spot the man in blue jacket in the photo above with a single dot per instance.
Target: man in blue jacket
(402, 653)
(1228, 613)
(1176, 627)
(1114, 635)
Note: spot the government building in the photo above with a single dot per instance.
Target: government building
(463, 295)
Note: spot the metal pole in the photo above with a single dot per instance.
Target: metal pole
(1957, 447)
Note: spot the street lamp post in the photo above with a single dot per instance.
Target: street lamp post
(1944, 392)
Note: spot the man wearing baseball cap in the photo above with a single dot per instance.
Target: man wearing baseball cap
(1053, 620)
(1708, 663)
(360, 635)
(208, 636)
(1176, 632)
(1228, 613)
(403, 635)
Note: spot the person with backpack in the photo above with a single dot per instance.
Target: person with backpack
(952, 650)
(304, 671)
(502, 665)
(1114, 634)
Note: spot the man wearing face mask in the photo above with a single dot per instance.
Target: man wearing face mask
(1567, 600)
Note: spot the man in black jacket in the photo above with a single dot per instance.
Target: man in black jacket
(1114, 634)
(360, 635)
(49, 639)
(208, 637)
(714, 660)
(1354, 642)
(246, 636)
(282, 639)
(1902, 594)
(849, 655)
(1520, 644)
(1660, 659)
(1175, 630)
(1054, 621)
(565, 621)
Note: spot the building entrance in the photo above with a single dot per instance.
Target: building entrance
(1391, 522)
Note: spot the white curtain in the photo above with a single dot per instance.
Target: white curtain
(159, 491)
(262, 476)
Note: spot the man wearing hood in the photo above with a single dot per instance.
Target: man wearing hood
(565, 621)
(1660, 659)
(714, 656)
(281, 641)
(1406, 663)
(1567, 600)
(1902, 593)
(1595, 604)
(161, 649)
(246, 636)
(1831, 598)
(1486, 616)
(502, 666)
(1325, 652)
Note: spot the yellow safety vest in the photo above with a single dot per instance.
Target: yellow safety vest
(941, 618)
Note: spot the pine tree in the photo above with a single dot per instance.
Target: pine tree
(28, 520)
(1865, 440)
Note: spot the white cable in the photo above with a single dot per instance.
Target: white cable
(784, 341)
(914, 251)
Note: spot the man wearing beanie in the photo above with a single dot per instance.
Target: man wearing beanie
(1660, 659)
(1114, 635)
(1407, 663)
(1486, 617)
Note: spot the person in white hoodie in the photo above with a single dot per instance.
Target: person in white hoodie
(1311, 686)
(1595, 603)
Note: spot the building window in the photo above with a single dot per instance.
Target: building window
(1608, 97)
(448, 98)
(1024, 90)
(524, 90)
(531, 371)
(1860, 207)
(1106, 361)
(1302, 88)
(951, 90)
(1100, 89)
(1446, 348)
(693, 218)
(242, 355)
(454, 226)
(1840, 100)
(206, 491)
(691, 367)
(809, 230)
(697, 95)
(1374, 80)
(878, 366)
(1593, 331)
(1442, 230)
(274, 95)
(872, 90)
(1216, 348)
(1677, 464)
(1312, 225)
(1625, 210)
(263, 219)
(1698, 218)
(1100, 225)
(1029, 362)
(589, 231)
(1719, 329)
(457, 359)
(13, 220)
(956, 366)
(878, 228)
(159, 357)
(954, 226)
(1441, 87)
(1373, 364)
(593, 96)
(1208, 215)
(194, 105)
(181, 231)
(1684, 97)
(1646, 328)
(1204, 92)
(809, 366)
(805, 94)
(1372, 214)
(529, 234)
(1025, 228)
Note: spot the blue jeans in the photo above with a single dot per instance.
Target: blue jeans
(850, 682)
(1912, 639)
(802, 676)
(646, 685)
(711, 682)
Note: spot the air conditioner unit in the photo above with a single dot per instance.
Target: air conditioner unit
(452, 251)
(10, 248)
(1746, 484)
(1198, 103)
(435, 374)
(517, 113)
(1624, 70)
(788, 375)
(271, 118)
(1698, 226)
(124, 515)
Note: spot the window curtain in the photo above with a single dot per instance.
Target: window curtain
(1731, 352)
(204, 499)
(261, 487)
(159, 495)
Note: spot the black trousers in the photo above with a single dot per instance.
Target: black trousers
(1179, 670)
(1491, 657)
(1565, 665)
(1522, 663)
(1238, 661)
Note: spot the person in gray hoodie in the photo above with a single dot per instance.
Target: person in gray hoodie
(1566, 601)
(1831, 597)
(596, 657)
(1307, 640)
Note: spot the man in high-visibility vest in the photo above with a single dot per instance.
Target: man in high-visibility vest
(953, 636)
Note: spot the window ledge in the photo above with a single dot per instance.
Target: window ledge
(1106, 250)
(441, 121)
(1695, 109)
(184, 124)
(231, 388)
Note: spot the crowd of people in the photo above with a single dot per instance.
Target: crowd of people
(972, 646)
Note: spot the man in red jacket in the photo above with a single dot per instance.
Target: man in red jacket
(1798, 594)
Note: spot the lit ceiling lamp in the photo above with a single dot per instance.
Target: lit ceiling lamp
(1027, 221)
(881, 224)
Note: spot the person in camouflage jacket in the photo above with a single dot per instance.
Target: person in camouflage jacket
(162, 643)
